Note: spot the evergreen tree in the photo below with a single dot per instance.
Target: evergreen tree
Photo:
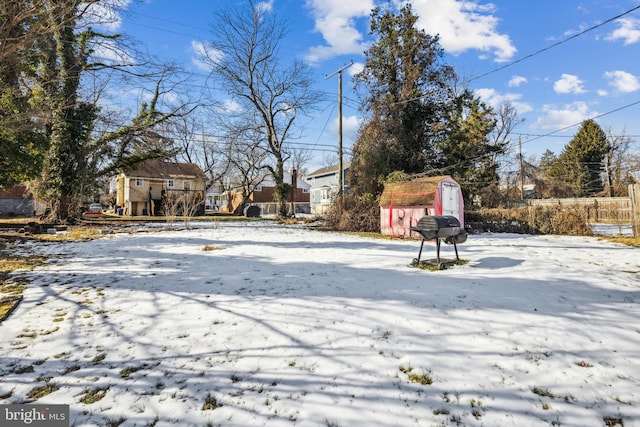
(465, 151)
(406, 90)
(580, 165)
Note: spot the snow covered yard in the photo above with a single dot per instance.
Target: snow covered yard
(246, 324)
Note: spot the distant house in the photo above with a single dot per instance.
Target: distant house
(159, 187)
(213, 197)
(402, 204)
(18, 201)
(324, 184)
(263, 196)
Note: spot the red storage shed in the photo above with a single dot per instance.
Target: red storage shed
(402, 204)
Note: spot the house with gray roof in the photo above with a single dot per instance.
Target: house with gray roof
(324, 184)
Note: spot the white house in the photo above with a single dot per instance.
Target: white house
(324, 184)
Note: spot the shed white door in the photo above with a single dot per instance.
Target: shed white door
(450, 199)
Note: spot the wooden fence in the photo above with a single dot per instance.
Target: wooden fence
(611, 210)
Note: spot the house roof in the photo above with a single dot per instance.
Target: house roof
(155, 168)
(418, 192)
(329, 170)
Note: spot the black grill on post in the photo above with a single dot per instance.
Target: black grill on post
(439, 228)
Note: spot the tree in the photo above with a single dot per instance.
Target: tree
(406, 89)
(466, 151)
(25, 28)
(581, 164)
(246, 165)
(621, 163)
(245, 59)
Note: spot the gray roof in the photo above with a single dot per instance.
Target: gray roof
(155, 168)
(329, 170)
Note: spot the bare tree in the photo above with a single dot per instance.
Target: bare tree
(621, 164)
(245, 59)
(247, 168)
(199, 147)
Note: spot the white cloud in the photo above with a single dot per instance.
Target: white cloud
(556, 118)
(204, 56)
(229, 106)
(336, 21)
(494, 99)
(356, 68)
(109, 52)
(623, 81)
(464, 25)
(517, 81)
(266, 6)
(105, 15)
(603, 92)
(350, 125)
(568, 83)
(629, 31)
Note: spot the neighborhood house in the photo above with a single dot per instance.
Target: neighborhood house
(263, 196)
(158, 187)
(324, 187)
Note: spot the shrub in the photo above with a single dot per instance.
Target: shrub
(360, 213)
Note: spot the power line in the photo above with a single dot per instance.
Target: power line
(538, 52)
(579, 123)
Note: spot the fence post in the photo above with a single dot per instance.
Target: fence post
(634, 195)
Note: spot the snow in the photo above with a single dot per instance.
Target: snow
(284, 325)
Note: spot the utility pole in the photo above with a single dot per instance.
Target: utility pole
(340, 163)
(521, 168)
(608, 175)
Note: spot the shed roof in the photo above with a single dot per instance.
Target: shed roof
(418, 192)
(156, 168)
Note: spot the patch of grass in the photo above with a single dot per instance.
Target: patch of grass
(543, 392)
(629, 241)
(6, 395)
(11, 263)
(126, 372)
(72, 234)
(424, 378)
(114, 422)
(70, 369)
(50, 331)
(610, 421)
(208, 248)
(41, 391)
(211, 403)
(23, 370)
(93, 396)
(99, 358)
(431, 266)
(8, 304)
(27, 334)
(584, 364)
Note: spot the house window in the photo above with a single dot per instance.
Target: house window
(170, 183)
(187, 185)
(258, 188)
(326, 193)
(305, 190)
(139, 182)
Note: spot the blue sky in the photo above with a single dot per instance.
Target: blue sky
(574, 77)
